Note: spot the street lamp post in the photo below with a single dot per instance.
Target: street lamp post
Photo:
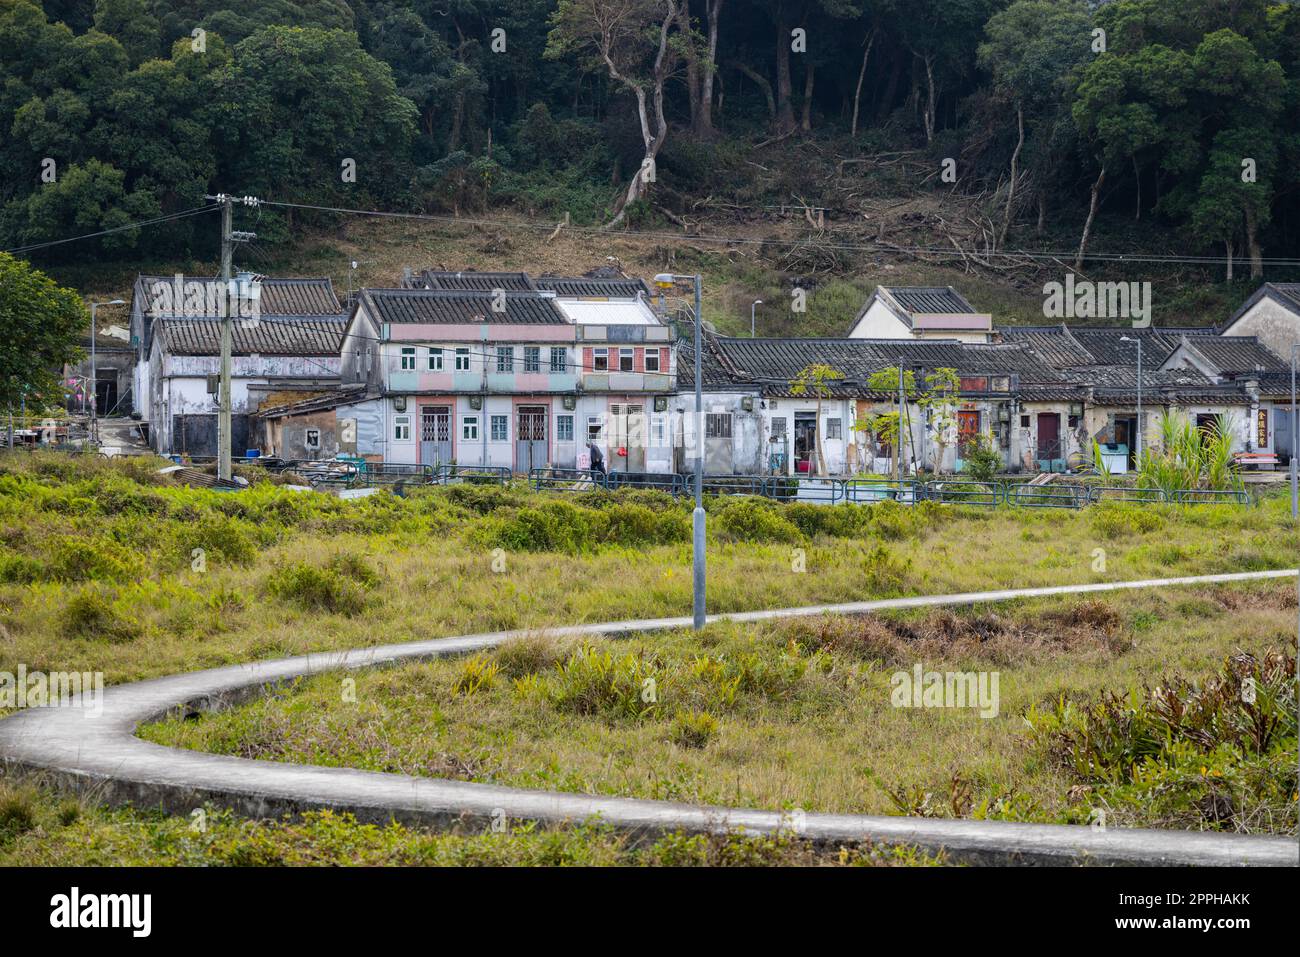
(756, 302)
(94, 382)
(667, 281)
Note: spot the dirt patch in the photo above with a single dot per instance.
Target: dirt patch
(1274, 598)
(1090, 626)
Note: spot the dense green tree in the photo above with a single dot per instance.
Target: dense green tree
(41, 325)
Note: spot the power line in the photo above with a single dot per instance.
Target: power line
(170, 217)
(733, 241)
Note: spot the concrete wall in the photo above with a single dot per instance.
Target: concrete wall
(1273, 324)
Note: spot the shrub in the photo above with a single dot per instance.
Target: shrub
(752, 520)
(1213, 753)
(593, 682)
(477, 673)
(838, 521)
(92, 558)
(20, 570)
(17, 814)
(694, 729)
(316, 589)
(982, 461)
(528, 655)
(631, 525)
(1116, 519)
(550, 527)
(91, 614)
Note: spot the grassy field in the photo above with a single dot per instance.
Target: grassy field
(104, 566)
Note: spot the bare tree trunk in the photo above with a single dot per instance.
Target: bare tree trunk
(930, 100)
(1042, 211)
(704, 125)
(763, 85)
(821, 452)
(1011, 188)
(1137, 177)
(809, 78)
(653, 139)
(784, 106)
(1092, 214)
(1252, 245)
(1228, 246)
(857, 92)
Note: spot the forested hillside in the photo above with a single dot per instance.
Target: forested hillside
(1170, 127)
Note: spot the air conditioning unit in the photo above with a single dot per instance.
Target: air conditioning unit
(570, 402)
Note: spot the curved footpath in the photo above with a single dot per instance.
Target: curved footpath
(101, 755)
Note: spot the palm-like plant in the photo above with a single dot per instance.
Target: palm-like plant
(1189, 458)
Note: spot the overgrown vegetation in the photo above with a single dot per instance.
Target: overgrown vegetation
(109, 567)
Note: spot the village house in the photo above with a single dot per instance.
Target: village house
(502, 370)
(920, 312)
(1272, 316)
(287, 345)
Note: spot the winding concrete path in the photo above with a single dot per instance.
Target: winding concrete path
(102, 755)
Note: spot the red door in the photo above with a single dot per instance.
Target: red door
(1049, 436)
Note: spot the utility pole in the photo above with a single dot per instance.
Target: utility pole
(898, 437)
(228, 239)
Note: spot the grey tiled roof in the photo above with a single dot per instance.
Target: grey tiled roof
(1087, 346)
(580, 287)
(447, 307)
(267, 336)
(473, 281)
(286, 298)
(1237, 354)
(921, 300)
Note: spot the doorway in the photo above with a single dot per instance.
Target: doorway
(435, 435)
(105, 396)
(805, 441)
(1049, 440)
(530, 438)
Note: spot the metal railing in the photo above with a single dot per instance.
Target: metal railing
(1050, 495)
(565, 480)
(475, 474)
(669, 482)
(863, 491)
(390, 473)
(1125, 493)
(960, 492)
(1210, 496)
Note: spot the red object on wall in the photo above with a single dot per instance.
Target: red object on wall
(622, 452)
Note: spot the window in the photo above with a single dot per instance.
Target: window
(559, 360)
(408, 358)
(600, 360)
(469, 427)
(462, 360)
(717, 425)
(834, 428)
(500, 428)
(625, 360)
(532, 359)
(1072, 422)
(778, 428)
(402, 428)
(595, 426)
(563, 427)
(658, 430)
(1024, 421)
(652, 360)
(312, 441)
(435, 360)
(505, 358)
